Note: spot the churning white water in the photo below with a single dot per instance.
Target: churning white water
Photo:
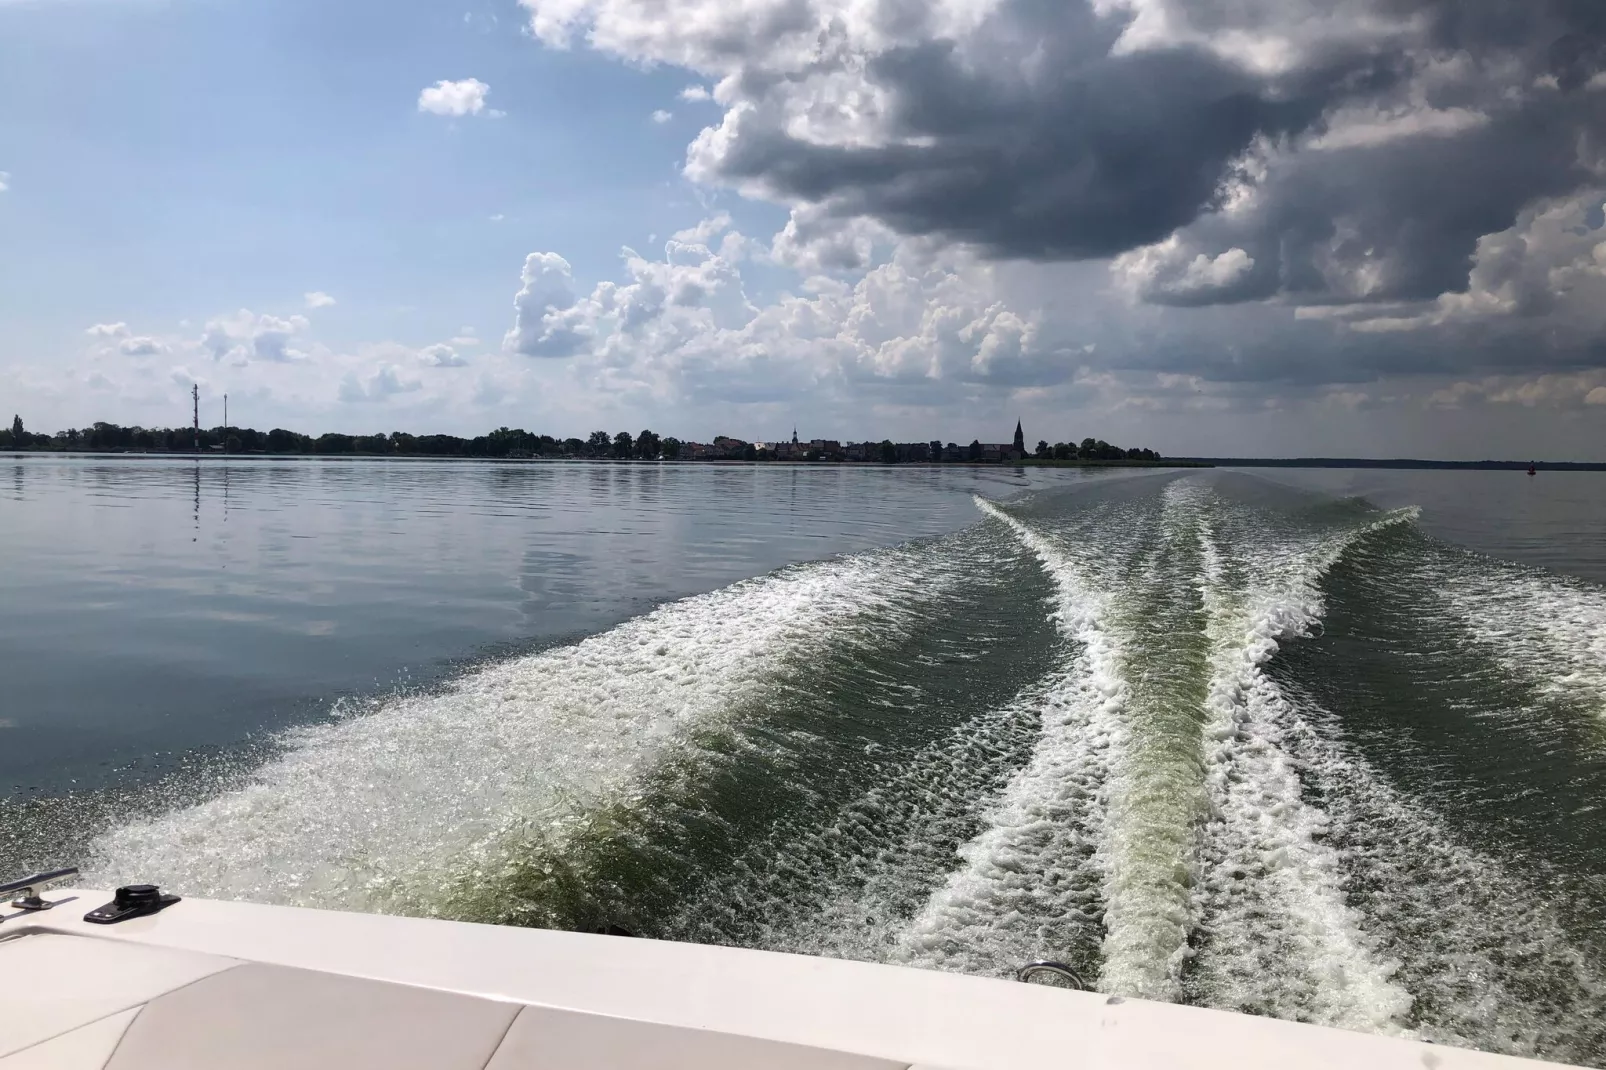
(1076, 731)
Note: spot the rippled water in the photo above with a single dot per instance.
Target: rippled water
(1207, 736)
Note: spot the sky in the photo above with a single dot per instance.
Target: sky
(1211, 227)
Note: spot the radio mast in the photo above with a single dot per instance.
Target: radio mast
(195, 397)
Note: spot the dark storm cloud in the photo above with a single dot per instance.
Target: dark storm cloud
(1123, 156)
(1220, 345)
(1086, 155)
(1413, 209)
(1564, 38)
(1339, 192)
(1037, 138)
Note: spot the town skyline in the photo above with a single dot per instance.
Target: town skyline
(102, 436)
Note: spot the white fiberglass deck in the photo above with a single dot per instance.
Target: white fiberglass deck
(230, 985)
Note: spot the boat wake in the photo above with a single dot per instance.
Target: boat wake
(387, 811)
(1188, 741)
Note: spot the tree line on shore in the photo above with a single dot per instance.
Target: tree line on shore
(1091, 449)
(508, 443)
(503, 442)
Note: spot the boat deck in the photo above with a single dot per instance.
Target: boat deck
(100, 1003)
(217, 985)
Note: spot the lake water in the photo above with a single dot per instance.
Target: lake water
(1323, 745)
(154, 606)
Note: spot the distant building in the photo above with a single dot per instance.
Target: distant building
(1016, 450)
(870, 451)
(788, 451)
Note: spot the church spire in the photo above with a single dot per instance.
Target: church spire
(1020, 438)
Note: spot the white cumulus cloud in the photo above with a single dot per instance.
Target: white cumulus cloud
(683, 329)
(243, 336)
(544, 323)
(142, 346)
(319, 299)
(382, 383)
(1166, 273)
(815, 241)
(466, 97)
(441, 356)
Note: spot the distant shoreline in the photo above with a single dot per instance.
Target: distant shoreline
(218, 455)
(1398, 463)
(1405, 463)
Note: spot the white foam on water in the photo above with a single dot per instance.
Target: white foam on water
(1482, 950)
(1156, 797)
(1280, 937)
(1545, 628)
(844, 882)
(1167, 793)
(1105, 813)
(879, 860)
(379, 811)
(1048, 842)
(1029, 880)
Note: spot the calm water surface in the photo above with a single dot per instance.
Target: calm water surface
(155, 605)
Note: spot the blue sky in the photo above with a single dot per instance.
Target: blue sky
(172, 159)
(1151, 221)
